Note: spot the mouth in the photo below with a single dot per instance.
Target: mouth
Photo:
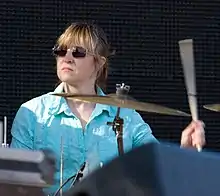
(66, 69)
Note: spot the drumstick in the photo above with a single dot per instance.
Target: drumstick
(187, 58)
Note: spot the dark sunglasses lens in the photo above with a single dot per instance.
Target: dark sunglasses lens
(60, 52)
(79, 52)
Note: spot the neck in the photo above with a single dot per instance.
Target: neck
(80, 89)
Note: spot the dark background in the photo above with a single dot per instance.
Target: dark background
(145, 35)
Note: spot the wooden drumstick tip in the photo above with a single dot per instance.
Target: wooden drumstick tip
(199, 148)
(186, 41)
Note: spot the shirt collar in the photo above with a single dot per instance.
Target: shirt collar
(59, 103)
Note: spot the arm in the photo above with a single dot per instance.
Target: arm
(22, 129)
(142, 132)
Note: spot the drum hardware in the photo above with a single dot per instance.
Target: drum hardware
(75, 178)
(28, 168)
(122, 100)
(24, 172)
(20, 190)
(117, 124)
(154, 169)
(3, 133)
(61, 166)
(212, 107)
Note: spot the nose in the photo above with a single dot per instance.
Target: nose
(68, 57)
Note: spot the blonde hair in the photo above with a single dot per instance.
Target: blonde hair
(93, 39)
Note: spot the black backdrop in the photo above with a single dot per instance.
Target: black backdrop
(145, 35)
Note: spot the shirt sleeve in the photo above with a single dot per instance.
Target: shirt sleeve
(22, 129)
(142, 133)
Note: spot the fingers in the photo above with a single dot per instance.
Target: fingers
(189, 129)
(194, 135)
(198, 136)
(194, 125)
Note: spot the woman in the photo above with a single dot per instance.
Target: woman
(48, 121)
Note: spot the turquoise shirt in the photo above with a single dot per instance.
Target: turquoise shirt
(42, 121)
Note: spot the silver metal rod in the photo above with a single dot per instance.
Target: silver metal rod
(61, 165)
(5, 130)
(1, 132)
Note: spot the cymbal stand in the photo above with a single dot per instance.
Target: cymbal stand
(117, 124)
(4, 133)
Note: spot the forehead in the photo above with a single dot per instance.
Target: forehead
(77, 36)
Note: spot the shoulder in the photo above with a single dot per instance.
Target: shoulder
(134, 120)
(40, 105)
(43, 100)
(131, 115)
(46, 101)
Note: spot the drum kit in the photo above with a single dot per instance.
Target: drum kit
(213, 107)
(121, 99)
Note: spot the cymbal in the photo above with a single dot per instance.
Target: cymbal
(213, 107)
(123, 101)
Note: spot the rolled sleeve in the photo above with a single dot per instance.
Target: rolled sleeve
(142, 133)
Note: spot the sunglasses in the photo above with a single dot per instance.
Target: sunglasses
(77, 52)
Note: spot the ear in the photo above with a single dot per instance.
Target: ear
(102, 61)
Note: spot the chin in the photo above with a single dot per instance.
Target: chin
(65, 77)
(69, 80)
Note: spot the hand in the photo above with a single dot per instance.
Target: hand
(193, 135)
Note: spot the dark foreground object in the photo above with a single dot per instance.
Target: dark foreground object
(155, 170)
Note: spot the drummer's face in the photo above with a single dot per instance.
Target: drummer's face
(75, 65)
